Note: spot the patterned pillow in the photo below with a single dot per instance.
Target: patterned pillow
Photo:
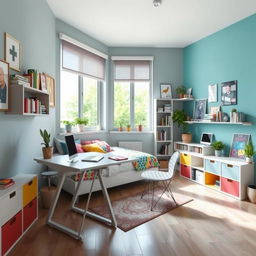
(103, 144)
(93, 148)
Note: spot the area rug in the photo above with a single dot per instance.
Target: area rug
(133, 211)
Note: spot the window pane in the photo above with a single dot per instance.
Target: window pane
(90, 100)
(141, 103)
(69, 96)
(121, 104)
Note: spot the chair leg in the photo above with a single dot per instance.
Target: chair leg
(164, 190)
(144, 191)
(170, 191)
(152, 201)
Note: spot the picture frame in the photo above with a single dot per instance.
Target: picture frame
(12, 52)
(166, 90)
(237, 145)
(43, 86)
(213, 93)
(4, 85)
(199, 109)
(50, 84)
(189, 93)
(229, 93)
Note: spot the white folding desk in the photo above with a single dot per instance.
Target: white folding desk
(65, 168)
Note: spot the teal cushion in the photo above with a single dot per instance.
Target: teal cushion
(62, 146)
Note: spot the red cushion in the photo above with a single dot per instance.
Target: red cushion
(79, 148)
(86, 142)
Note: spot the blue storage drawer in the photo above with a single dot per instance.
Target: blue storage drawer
(212, 166)
(230, 171)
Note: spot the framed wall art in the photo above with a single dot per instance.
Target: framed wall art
(166, 90)
(212, 93)
(50, 84)
(199, 109)
(237, 146)
(229, 93)
(4, 86)
(12, 52)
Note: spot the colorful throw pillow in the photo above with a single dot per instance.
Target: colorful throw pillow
(79, 148)
(86, 142)
(103, 144)
(93, 148)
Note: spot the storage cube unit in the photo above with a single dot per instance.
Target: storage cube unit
(20, 210)
(227, 175)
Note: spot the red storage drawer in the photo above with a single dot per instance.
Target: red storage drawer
(29, 214)
(185, 171)
(11, 231)
(230, 186)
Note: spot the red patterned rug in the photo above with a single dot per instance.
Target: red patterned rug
(133, 211)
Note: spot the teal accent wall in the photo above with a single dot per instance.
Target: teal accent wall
(33, 24)
(229, 54)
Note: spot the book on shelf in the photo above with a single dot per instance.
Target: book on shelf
(165, 149)
(160, 109)
(236, 117)
(161, 135)
(34, 106)
(34, 78)
(6, 183)
(165, 121)
(167, 107)
(20, 80)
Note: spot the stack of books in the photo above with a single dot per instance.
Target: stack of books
(33, 105)
(161, 135)
(167, 107)
(160, 109)
(165, 121)
(33, 78)
(236, 117)
(20, 80)
(6, 183)
(165, 149)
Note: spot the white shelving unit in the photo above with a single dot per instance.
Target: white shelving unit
(17, 95)
(228, 123)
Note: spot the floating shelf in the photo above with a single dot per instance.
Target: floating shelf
(228, 123)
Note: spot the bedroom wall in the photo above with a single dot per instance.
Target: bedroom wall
(229, 54)
(33, 23)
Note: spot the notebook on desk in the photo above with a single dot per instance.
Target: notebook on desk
(92, 158)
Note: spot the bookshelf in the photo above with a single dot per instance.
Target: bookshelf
(28, 101)
(228, 123)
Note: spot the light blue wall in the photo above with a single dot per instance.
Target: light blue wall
(33, 23)
(167, 68)
(229, 54)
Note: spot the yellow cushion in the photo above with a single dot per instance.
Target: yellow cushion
(92, 148)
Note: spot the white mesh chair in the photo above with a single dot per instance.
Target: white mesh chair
(164, 177)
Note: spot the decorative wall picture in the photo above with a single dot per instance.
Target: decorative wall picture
(166, 90)
(43, 86)
(237, 146)
(189, 93)
(199, 109)
(213, 93)
(12, 52)
(229, 93)
(50, 83)
(4, 85)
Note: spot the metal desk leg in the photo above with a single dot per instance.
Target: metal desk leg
(77, 189)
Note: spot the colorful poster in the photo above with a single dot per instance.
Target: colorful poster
(238, 143)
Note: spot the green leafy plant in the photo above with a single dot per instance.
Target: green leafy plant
(128, 126)
(179, 117)
(83, 121)
(249, 150)
(233, 110)
(181, 90)
(218, 145)
(46, 138)
(66, 122)
(120, 124)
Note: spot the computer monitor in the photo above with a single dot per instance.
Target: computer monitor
(206, 138)
(71, 145)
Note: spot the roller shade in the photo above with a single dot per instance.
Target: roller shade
(82, 61)
(132, 70)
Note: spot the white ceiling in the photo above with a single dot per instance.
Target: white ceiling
(176, 23)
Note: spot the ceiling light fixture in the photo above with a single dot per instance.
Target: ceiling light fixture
(157, 3)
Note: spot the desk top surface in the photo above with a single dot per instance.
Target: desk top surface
(62, 161)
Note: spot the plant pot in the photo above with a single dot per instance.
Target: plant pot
(251, 192)
(120, 129)
(181, 95)
(140, 128)
(80, 127)
(47, 194)
(218, 153)
(68, 128)
(128, 128)
(186, 137)
(248, 160)
(47, 152)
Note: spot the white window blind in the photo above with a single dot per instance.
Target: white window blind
(82, 61)
(132, 70)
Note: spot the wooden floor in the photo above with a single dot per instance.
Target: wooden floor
(212, 224)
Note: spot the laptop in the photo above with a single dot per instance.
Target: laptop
(92, 158)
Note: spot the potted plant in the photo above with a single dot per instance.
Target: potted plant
(249, 152)
(181, 90)
(68, 126)
(81, 123)
(47, 150)
(251, 192)
(120, 128)
(218, 147)
(179, 117)
(141, 122)
(128, 128)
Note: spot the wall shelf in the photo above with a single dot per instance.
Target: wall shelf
(228, 123)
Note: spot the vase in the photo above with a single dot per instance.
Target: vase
(80, 127)
(218, 153)
(186, 137)
(140, 127)
(47, 152)
(248, 160)
(251, 192)
(68, 128)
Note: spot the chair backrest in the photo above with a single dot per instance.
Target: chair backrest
(172, 163)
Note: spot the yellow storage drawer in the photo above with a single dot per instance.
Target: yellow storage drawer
(29, 191)
(185, 159)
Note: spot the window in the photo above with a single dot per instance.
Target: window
(132, 93)
(82, 76)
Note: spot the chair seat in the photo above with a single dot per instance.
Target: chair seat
(155, 175)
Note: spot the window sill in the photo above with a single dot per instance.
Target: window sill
(132, 132)
(85, 132)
